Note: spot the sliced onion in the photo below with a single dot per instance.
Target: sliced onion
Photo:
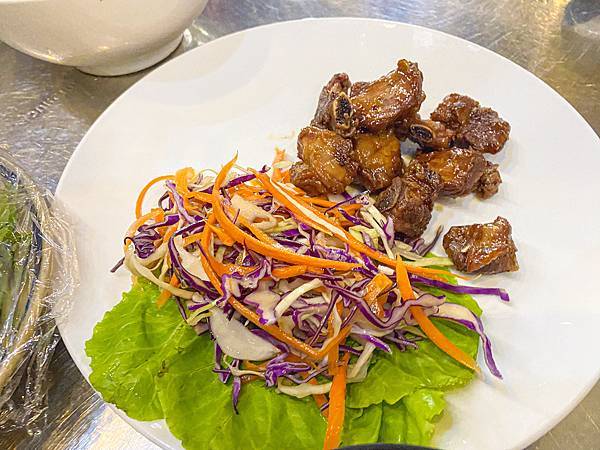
(265, 301)
(238, 341)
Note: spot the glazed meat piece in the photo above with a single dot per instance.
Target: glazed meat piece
(381, 103)
(378, 158)
(327, 165)
(409, 200)
(485, 131)
(334, 110)
(454, 111)
(482, 248)
(430, 134)
(459, 169)
(489, 181)
(306, 179)
(460, 121)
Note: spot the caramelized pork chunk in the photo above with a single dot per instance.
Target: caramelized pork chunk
(460, 121)
(482, 248)
(454, 111)
(489, 181)
(409, 200)
(306, 179)
(334, 110)
(460, 169)
(327, 165)
(378, 158)
(381, 103)
(485, 131)
(430, 134)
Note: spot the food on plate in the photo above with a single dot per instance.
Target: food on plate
(408, 201)
(460, 121)
(297, 306)
(482, 248)
(357, 130)
(461, 171)
(327, 165)
(379, 104)
(489, 181)
(334, 109)
(378, 159)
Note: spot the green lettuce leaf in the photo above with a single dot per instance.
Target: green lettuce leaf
(412, 420)
(361, 426)
(198, 409)
(131, 346)
(151, 365)
(394, 376)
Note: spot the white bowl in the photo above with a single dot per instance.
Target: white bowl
(101, 37)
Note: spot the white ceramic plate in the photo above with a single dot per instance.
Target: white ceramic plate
(251, 91)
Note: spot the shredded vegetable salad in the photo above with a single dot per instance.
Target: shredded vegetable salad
(298, 292)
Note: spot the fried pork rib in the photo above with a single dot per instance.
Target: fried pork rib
(334, 110)
(482, 248)
(409, 199)
(327, 165)
(462, 171)
(379, 104)
(489, 181)
(378, 159)
(460, 121)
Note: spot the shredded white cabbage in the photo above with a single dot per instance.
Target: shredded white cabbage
(251, 212)
(303, 390)
(380, 234)
(358, 371)
(295, 294)
(190, 262)
(134, 266)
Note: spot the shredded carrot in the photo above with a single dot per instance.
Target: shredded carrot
(279, 156)
(288, 271)
(225, 239)
(286, 176)
(165, 295)
(257, 367)
(342, 234)
(320, 399)
(332, 356)
(182, 180)
(281, 335)
(170, 232)
(192, 238)
(144, 191)
(205, 255)
(337, 407)
(274, 330)
(427, 325)
(260, 234)
(260, 247)
(202, 196)
(373, 290)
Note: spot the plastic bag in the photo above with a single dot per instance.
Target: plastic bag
(38, 273)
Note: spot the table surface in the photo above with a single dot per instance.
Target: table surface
(46, 109)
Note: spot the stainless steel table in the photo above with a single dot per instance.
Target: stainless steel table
(46, 109)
